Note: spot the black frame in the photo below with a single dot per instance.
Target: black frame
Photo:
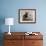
(23, 10)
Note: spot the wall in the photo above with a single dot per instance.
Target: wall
(9, 8)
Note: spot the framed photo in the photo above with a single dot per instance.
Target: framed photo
(27, 15)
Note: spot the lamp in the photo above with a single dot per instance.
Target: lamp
(9, 21)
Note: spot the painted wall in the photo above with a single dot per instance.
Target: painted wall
(9, 8)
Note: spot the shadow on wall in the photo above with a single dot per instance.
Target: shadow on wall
(2, 21)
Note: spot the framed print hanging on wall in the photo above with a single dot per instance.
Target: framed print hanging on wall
(27, 15)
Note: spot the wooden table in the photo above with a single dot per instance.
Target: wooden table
(20, 39)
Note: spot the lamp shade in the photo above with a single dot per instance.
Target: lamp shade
(9, 21)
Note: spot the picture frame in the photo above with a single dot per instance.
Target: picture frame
(27, 15)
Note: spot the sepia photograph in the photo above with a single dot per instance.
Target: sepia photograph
(27, 15)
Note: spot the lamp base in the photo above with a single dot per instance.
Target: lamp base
(9, 33)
